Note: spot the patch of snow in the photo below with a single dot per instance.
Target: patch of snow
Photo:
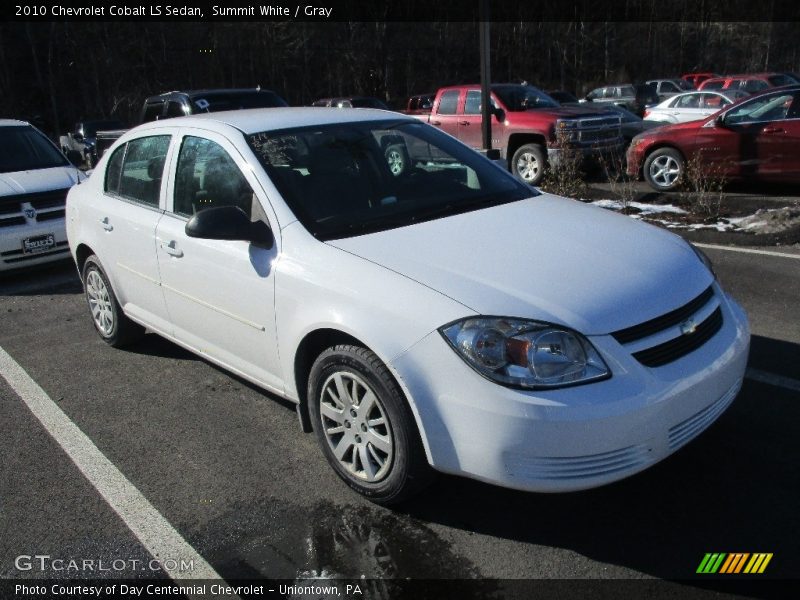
(771, 220)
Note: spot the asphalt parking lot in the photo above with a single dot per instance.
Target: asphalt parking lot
(227, 467)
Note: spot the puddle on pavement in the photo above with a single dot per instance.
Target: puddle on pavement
(281, 541)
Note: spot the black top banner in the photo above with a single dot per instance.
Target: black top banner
(408, 10)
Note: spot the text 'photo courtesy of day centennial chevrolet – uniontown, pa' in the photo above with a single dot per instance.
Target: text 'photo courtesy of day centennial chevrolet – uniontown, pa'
(167, 10)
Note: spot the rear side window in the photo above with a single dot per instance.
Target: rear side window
(208, 177)
(448, 102)
(472, 106)
(114, 169)
(142, 169)
(175, 109)
(152, 111)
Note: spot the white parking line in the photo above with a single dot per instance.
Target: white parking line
(748, 250)
(147, 524)
(772, 379)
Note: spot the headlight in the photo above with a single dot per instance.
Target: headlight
(525, 354)
(704, 259)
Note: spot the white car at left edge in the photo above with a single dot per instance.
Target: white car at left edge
(34, 180)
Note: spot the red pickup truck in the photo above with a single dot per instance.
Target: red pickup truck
(530, 128)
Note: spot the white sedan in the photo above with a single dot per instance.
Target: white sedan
(692, 106)
(443, 316)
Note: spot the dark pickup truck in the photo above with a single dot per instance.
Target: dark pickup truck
(530, 129)
(180, 104)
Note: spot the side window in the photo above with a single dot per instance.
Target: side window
(175, 109)
(472, 106)
(142, 169)
(448, 102)
(152, 112)
(208, 177)
(114, 169)
(690, 101)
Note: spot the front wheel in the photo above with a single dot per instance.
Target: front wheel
(528, 163)
(110, 322)
(364, 425)
(664, 169)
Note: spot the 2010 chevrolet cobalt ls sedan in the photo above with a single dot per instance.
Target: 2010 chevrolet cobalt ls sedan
(424, 309)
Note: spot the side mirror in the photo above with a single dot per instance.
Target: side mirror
(75, 158)
(229, 223)
(719, 121)
(499, 114)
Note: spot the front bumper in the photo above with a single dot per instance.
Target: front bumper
(593, 152)
(578, 437)
(12, 255)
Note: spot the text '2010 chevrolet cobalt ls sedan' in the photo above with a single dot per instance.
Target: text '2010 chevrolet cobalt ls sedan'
(421, 306)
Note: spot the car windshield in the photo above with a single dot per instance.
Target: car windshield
(523, 97)
(348, 179)
(22, 148)
(216, 101)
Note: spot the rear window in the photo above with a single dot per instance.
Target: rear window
(23, 148)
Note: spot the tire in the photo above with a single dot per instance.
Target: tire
(663, 169)
(529, 163)
(364, 425)
(397, 159)
(110, 322)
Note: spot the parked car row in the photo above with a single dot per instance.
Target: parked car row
(756, 138)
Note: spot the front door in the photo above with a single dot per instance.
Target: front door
(220, 294)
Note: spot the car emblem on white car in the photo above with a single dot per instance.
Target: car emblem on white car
(30, 213)
(688, 327)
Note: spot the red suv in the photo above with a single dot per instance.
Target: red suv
(748, 83)
(755, 138)
(697, 78)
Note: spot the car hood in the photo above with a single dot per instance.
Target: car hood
(38, 180)
(561, 112)
(545, 258)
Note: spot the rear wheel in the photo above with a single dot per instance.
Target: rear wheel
(364, 425)
(110, 322)
(528, 163)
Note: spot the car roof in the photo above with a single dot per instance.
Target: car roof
(12, 123)
(254, 120)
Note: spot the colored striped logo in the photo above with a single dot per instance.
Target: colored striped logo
(736, 562)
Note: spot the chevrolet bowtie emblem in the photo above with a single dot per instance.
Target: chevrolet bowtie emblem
(688, 327)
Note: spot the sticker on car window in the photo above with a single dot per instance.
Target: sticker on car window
(202, 103)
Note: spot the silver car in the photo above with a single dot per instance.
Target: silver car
(692, 106)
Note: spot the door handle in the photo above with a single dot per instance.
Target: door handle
(437, 123)
(772, 130)
(106, 224)
(463, 122)
(172, 249)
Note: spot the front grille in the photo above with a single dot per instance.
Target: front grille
(648, 328)
(11, 221)
(48, 205)
(682, 345)
(50, 216)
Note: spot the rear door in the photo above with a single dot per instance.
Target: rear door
(445, 114)
(220, 294)
(125, 219)
(469, 125)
